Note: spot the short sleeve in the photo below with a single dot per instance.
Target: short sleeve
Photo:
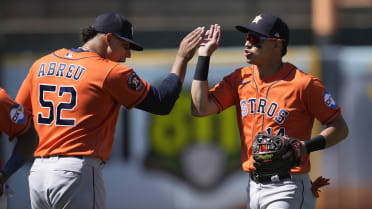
(125, 86)
(224, 93)
(320, 102)
(15, 120)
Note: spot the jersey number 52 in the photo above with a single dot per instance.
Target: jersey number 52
(55, 110)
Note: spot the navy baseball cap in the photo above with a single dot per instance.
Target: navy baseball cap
(117, 25)
(267, 25)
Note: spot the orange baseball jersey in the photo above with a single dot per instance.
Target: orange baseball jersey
(15, 120)
(75, 98)
(285, 103)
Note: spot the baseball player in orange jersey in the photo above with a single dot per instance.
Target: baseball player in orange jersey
(273, 97)
(15, 122)
(75, 96)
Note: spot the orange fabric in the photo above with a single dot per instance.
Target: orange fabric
(13, 124)
(76, 98)
(285, 103)
(15, 120)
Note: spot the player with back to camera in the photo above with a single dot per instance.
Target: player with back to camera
(16, 122)
(271, 98)
(75, 96)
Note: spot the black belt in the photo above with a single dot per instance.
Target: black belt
(268, 178)
(61, 156)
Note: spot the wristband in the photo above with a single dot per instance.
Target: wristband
(13, 164)
(202, 68)
(316, 143)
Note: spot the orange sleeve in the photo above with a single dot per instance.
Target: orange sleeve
(15, 120)
(224, 93)
(125, 86)
(320, 102)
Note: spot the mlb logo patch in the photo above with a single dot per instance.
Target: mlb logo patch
(69, 55)
(17, 114)
(329, 101)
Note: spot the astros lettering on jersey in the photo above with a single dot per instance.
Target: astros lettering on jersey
(274, 105)
(68, 121)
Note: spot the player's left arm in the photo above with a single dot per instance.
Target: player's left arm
(22, 152)
(335, 132)
(322, 105)
(201, 102)
(185, 52)
(160, 100)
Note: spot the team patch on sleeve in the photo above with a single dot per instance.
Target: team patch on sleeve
(329, 101)
(134, 82)
(17, 114)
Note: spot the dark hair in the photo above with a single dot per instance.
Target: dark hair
(88, 33)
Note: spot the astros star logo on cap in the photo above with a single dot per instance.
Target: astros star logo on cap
(257, 19)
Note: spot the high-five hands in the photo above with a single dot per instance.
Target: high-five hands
(210, 41)
(190, 43)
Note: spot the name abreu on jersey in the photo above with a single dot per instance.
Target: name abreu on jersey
(69, 71)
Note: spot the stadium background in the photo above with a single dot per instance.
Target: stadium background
(182, 162)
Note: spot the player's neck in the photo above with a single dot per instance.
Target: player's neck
(94, 45)
(269, 68)
(89, 48)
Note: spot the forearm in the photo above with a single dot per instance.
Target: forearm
(23, 151)
(199, 97)
(179, 67)
(27, 143)
(335, 132)
(185, 52)
(199, 87)
(201, 104)
(160, 100)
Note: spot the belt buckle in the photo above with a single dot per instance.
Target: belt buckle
(275, 178)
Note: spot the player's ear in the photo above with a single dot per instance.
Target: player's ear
(278, 45)
(108, 37)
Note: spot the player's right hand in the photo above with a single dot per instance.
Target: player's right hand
(189, 44)
(210, 41)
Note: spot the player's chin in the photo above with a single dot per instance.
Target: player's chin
(249, 60)
(122, 59)
(248, 56)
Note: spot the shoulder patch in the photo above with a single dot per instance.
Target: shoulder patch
(134, 82)
(17, 114)
(328, 100)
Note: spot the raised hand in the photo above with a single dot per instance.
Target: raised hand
(210, 41)
(189, 44)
